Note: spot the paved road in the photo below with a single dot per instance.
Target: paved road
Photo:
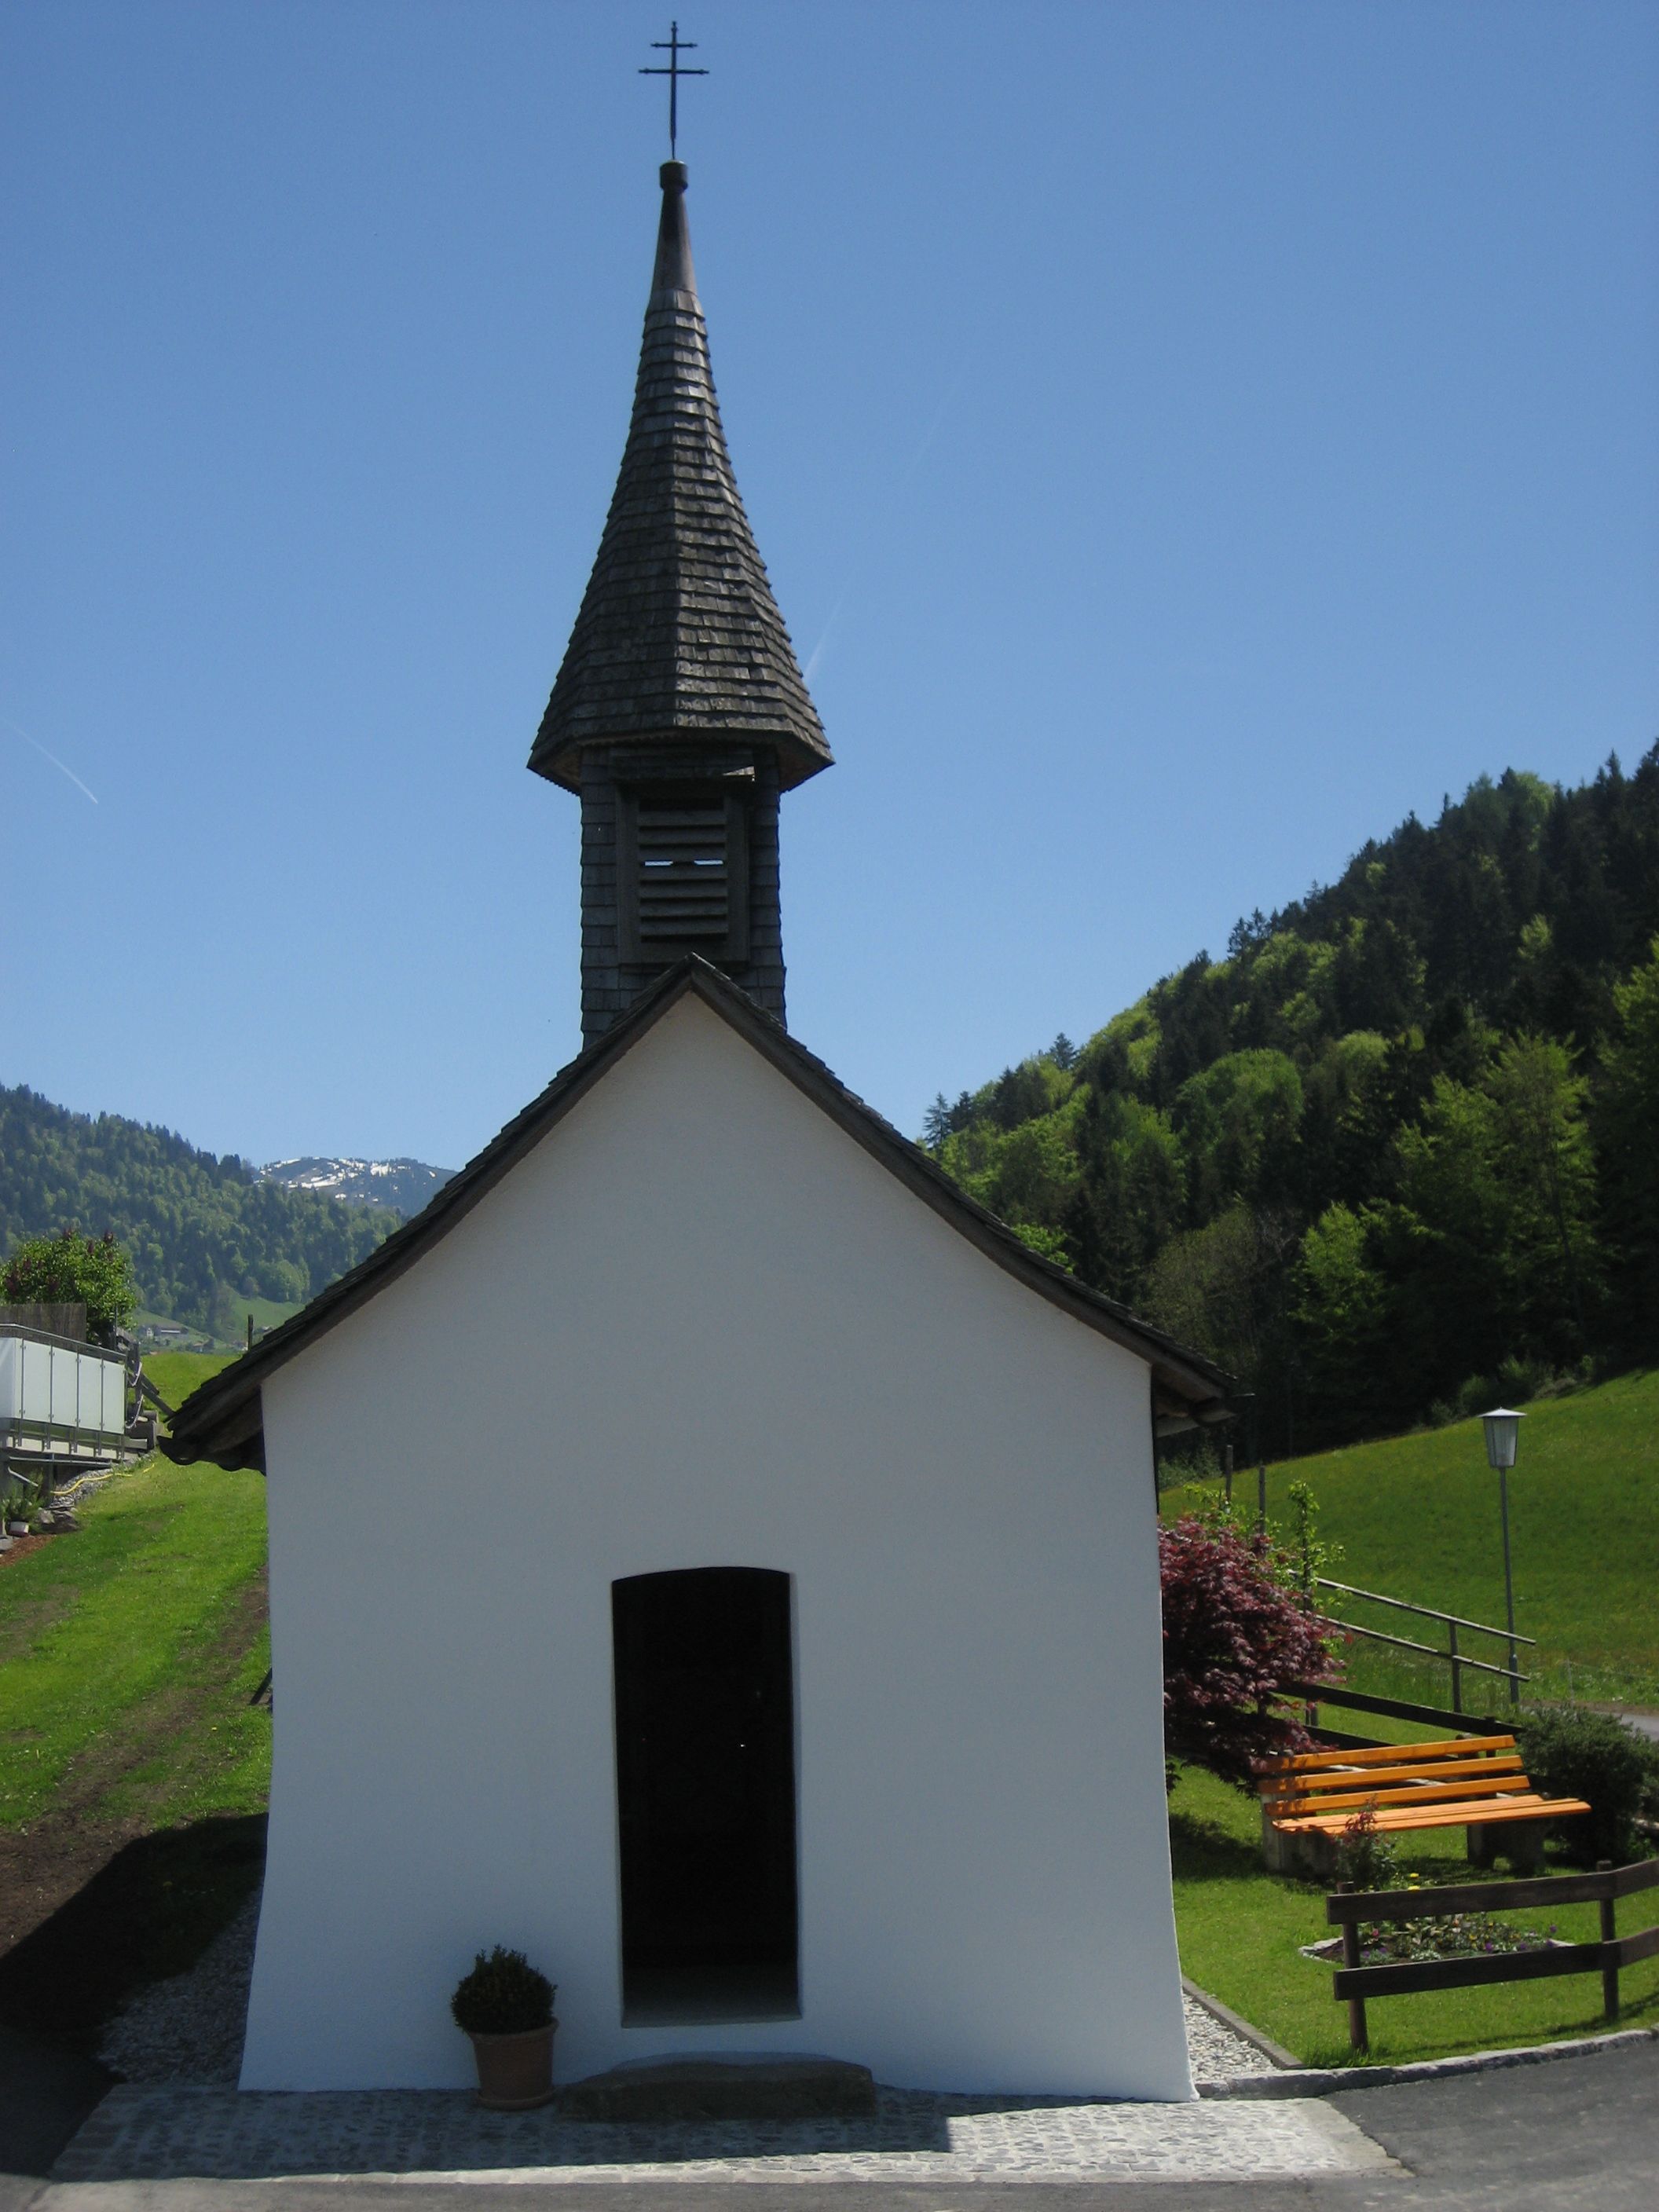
(44, 2098)
(1576, 2135)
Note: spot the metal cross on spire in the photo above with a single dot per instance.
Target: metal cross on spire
(673, 45)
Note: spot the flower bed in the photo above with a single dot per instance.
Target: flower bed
(1445, 1935)
(1452, 1935)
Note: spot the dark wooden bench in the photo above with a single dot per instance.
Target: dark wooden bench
(1476, 1782)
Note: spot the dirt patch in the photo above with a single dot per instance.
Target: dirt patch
(140, 1911)
(42, 1866)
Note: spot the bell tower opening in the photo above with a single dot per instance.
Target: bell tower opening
(682, 873)
(706, 1795)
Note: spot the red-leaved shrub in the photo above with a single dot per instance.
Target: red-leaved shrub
(1236, 1632)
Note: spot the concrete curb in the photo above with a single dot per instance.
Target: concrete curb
(1329, 2081)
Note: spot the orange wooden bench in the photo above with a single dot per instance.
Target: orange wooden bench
(1476, 1782)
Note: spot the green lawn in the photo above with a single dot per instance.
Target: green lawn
(176, 1374)
(134, 1765)
(1417, 1518)
(128, 1654)
(268, 1313)
(1241, 1930)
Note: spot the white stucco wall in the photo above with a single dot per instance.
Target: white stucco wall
(700, 1327)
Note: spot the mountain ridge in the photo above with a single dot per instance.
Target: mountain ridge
(206, 1231)
(402, 1185)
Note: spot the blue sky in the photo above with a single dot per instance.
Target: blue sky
(1184, 439)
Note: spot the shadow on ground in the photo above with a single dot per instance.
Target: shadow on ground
(162, 2134)
(150, 1912)
(44, 2095)
(1200, 1850)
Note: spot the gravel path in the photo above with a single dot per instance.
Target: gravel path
(189, 2030)
(1217, 2054)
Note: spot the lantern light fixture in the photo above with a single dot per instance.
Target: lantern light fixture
(1503, 1427)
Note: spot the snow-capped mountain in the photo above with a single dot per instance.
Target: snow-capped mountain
(402, 1186)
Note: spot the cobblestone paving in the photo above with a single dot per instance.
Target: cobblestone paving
(179, 2114)
(189, 2029)
(163, 2133)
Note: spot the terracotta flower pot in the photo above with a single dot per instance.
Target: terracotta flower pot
(515, 2072)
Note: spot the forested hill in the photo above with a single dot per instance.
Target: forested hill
(201, 1231)
(1400, 1144)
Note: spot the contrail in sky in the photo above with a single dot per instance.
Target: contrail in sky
(900, 481)
(19, 731)
(1042, 186)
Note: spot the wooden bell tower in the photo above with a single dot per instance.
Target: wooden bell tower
(679, 715)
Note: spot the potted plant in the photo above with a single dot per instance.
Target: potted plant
(507, 2007)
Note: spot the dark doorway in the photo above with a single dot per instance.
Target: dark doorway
(706, 1795)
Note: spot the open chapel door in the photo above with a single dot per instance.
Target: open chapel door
(706, 1795)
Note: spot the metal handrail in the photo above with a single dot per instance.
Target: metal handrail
(1454, 1659)
(22, 1332)
(1428, 1612)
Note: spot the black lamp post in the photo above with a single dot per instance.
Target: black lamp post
(1503, 1429)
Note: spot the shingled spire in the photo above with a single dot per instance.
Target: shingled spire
(679, 713)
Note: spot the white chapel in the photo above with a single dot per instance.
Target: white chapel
(791, 1681)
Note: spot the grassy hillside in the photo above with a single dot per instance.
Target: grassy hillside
(269, 1313)
(1397, 1143)
(1417, 1517)
(134, 1763)
(176, 1374)
(128, 1654)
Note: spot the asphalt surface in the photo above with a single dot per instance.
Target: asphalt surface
(44, 2098)
(1570, 2134)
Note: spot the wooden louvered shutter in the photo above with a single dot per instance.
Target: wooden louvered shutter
(684, 864)
(683, 883)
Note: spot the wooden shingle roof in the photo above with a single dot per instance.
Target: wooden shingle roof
(678, 634)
